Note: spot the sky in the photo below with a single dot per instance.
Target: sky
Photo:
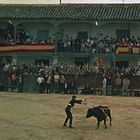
(65, 1)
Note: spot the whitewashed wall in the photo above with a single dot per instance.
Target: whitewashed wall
(109, 29)
(135, 29)
(72, 28)
(93, 30)
(29, 1)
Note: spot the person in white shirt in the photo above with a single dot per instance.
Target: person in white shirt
(48, 85)
(41, 84)
(56, 82)
(104, 86)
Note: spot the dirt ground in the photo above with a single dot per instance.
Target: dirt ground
(41, 116)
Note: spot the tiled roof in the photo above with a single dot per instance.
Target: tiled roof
(72, 12)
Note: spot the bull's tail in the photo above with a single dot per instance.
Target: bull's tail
(107, 114)
(104, 112)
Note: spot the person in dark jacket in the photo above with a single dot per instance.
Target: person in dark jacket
(68, 110)
(20, 83)
(109, 85)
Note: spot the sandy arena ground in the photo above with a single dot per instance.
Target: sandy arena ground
(40, 117)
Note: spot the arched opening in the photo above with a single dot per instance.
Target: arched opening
(34, 32)
(6, 33)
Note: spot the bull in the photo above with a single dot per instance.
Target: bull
(101, 113)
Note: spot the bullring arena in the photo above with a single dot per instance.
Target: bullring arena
(88, 50)
(29, 116)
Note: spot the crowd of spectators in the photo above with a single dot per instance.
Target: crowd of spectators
(93, 45)
(52, 78)
(102, 44)
(22, 37)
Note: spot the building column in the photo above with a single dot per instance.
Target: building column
(58, 31)
(15, 30)
(55, 36)
(14, 59)
(14, 24)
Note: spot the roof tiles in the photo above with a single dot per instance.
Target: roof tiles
(72, 11)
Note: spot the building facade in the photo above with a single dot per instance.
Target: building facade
(57, 22)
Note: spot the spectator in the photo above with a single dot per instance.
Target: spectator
(104, 86)
(65, 87)
(20, 83)
(126, 84)
(56, 81)
(109, 84)
(13, 81)
(41, 84)
(62, 83)
(48, 85)
(118, 83)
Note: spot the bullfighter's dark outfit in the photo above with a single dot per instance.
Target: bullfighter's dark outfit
(68, 110)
